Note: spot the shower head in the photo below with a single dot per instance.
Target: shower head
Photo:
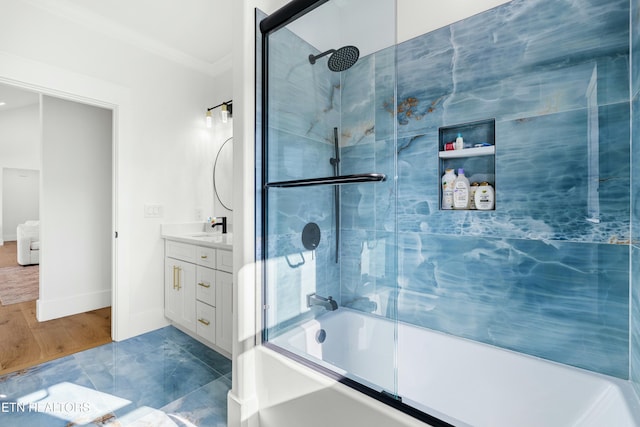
(341, 59)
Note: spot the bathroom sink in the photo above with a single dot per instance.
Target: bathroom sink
(201, 234)
(210, 237)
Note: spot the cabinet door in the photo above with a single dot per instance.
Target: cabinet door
(180, 292)
(224, 310)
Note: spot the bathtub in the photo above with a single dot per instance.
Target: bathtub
(462, 382)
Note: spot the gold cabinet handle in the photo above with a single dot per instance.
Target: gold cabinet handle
(179, 279)
(203, 256)
(204, 285)
(175, 280)
(204, 322)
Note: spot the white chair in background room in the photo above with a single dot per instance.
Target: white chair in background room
(28, 243)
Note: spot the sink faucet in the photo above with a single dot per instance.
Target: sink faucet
(219, 220)
(328, 303)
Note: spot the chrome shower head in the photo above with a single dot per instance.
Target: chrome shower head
(341, 59)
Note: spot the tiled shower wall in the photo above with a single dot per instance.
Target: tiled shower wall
(304, 107)
(541, 274)
(635, 196)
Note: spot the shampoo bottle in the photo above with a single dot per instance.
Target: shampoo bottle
(448, 179)
(485, 197)
(461, 191)
(459, 142)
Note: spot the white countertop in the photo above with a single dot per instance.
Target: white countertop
(197, 233)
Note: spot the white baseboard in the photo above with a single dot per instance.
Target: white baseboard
(61, 307)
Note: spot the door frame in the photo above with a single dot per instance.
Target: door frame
(68, 85)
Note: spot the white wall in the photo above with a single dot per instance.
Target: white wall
(20, 199)
(269, 390)
(333, 25)
(160, 135)
(20, 137)
(75, 228)
(19, 149)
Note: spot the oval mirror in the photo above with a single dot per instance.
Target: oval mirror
(223, 174)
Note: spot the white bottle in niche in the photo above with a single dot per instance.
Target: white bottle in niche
(485, 197)
(448, 179)
(459, 142)
(461, 191)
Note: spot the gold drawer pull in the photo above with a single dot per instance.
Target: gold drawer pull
(204, 322)
(204, 285)
(203, 256)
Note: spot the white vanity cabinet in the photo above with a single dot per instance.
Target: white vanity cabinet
(224, 319)
(198, 291)
(179, 287)
(180, 292)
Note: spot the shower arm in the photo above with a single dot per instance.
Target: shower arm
(314, 58)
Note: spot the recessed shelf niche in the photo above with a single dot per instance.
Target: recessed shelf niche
(477, 158)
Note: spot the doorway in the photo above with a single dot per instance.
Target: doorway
(74, 183)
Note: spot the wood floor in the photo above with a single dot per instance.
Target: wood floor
(8, 257)
(25, 342)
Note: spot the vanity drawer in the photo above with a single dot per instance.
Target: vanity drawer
(206, 321)
(181, 251)
(205, 285)
(224, 261)
(206, 257)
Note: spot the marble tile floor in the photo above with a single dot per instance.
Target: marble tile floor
(162, 378)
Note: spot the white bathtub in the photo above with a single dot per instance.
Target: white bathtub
(463, 382)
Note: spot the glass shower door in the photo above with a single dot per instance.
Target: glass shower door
(329, 197)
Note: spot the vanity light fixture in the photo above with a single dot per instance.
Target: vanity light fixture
(225, 112)
(209, 118)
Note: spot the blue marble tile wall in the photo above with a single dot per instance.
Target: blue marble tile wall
(635, 196)
(304, 108)
(368, 261)
(542, 274)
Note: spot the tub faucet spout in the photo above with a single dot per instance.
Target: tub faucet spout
(328, 303)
